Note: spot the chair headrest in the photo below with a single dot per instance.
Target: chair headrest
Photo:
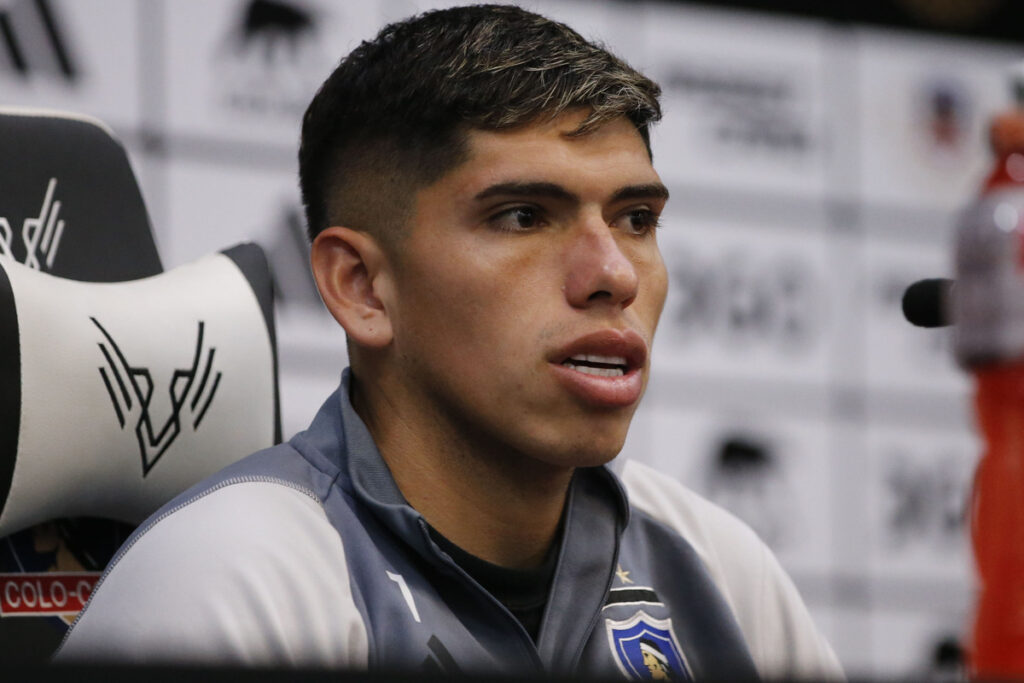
(59, 212)
(117, 396)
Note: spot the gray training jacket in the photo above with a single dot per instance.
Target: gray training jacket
(307, 553)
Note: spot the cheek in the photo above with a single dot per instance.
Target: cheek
(653, 286)
(472, 305)
(659, 287)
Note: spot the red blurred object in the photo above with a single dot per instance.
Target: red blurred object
(990, 344)
(997, 525)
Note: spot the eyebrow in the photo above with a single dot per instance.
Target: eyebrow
(646, 191)
(554, 191)
(528, 190)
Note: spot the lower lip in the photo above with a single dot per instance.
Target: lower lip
(602, 392)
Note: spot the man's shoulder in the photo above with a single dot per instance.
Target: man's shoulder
(709, 528)
(248, 563)
(770, 612)
(249, 514)
(733, 554)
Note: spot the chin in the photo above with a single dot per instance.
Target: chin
(567, 443)
(597, 460)
(590, 452)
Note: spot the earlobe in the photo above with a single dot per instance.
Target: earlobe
(350, 269)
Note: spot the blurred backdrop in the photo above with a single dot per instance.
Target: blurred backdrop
(816, 166)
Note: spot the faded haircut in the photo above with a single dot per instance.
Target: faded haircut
(394, 115)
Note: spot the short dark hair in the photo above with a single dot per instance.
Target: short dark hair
(393, 116)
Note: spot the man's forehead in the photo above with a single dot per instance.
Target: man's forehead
(563, 128)
(549, 152)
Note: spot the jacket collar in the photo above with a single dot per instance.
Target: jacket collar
(596, 497)
(339, 444)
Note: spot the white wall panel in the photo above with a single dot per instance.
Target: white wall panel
(745, 302)
(849, 630)
(898, 355)
(213, 205)
(918, 494)
(743, 100)
(924, 115)
(236, 76)
(909, 644)
(770, 471)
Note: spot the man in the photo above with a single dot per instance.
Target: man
(655, 661)
(479, 190)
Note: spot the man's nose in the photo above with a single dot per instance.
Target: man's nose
(597, 270)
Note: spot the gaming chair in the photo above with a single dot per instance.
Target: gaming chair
(120, 384)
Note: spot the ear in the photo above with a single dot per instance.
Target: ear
(350, 270)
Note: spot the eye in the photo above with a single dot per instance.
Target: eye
(638, 221)
(516, 219)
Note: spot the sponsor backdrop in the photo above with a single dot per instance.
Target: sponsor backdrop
(816, 170)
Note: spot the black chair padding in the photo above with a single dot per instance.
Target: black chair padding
(70, 207)
(69, 202)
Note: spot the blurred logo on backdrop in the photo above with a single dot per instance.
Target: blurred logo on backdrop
(35, 43)
(741, 109)
(944, 113)
(926, 499)
(271, 60)
(743, 299)
(746, 477)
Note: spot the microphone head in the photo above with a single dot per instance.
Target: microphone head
(924, 302)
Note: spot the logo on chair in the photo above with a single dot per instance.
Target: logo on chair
(131, 392)
(40, 235)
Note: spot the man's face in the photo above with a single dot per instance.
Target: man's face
(528, 289)
(656, 668)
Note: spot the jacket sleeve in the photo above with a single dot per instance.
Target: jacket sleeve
(248, 574)
(783, 639)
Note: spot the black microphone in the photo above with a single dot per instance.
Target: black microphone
(924, 302)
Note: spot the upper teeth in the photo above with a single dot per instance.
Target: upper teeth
(602, 366)
(600, 372)
(594, 358)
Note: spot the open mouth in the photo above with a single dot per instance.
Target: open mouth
(599, 366)
(603, 369)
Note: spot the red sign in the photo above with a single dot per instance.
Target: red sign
(45, 593)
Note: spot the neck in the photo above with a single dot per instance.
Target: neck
(503, 507)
